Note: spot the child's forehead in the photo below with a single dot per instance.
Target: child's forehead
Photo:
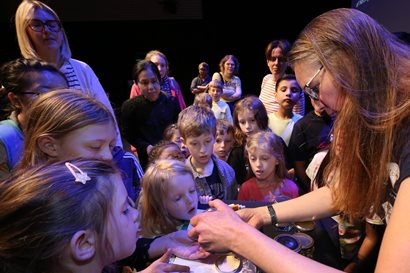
(260, 148)
(223, 132)
(290, 82)
(200, 136)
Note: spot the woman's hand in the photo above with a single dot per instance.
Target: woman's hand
(253, 217)
(216, 230)
(163, 265)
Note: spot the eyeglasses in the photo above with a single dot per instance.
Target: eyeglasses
(34, 93)
(38, 25)
(313, 92)
(279, 59)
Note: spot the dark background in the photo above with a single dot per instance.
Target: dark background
(110, 35)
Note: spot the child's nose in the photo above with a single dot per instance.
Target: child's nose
(106, 154)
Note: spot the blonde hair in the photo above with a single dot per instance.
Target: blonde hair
(152, 53)
(24, 13)
(194, 121)
(57, 113)
(203, 98)
(371, 69)
(42, 207)
(273, 145)
(155, 217)
(216, 84)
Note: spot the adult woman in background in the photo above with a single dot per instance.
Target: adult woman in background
(276, 58)
(232, 86)
(41, 36)
(168, 84)
(357, 68)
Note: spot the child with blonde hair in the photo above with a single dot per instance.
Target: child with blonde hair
(266, 158)
(168, 199)
(219, 107)
(213, 177)
(249, 117)
(203, 100)
(67, 124)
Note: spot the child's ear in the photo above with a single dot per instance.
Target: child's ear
(14, 100)
(48, 145)
(183, 140)
(82, 245)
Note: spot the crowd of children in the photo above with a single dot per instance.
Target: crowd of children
(73, 197)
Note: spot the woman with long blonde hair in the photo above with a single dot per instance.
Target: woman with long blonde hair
(359, 70)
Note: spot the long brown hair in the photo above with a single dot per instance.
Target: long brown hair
(371, 69)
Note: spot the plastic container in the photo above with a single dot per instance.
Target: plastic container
(305, 226)
(289, 241)
(307, 244)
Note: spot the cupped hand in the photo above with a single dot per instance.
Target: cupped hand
(163, 265)
(184, 247)
(216, 230)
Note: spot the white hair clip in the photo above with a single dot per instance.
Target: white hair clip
(78, 174)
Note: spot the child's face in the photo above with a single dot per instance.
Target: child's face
(263, 163)
(172, 152)
(176, 137)
(123, 226)
(215, 93)
(149, 85)
(247, 122)
(182, 199)
(223, 145)
(200, 147)
(161, 64)
(288, 93)
(94, 141)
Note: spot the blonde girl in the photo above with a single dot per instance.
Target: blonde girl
(267, 161)
(67, 124)
(168, 199)
(249, 117)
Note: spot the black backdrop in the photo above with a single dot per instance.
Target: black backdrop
(110, 47)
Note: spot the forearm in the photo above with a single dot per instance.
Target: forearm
(158, 247)
(271, 256)
(308, 207)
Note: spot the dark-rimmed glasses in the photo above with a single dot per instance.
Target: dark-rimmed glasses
(38, 25)
(281, 59)
(313, 92)
(34, 93)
